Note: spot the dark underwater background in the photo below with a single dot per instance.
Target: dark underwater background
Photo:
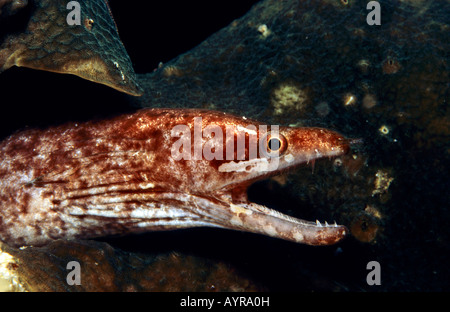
(387, 85)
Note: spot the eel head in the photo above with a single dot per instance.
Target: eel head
(285, 148)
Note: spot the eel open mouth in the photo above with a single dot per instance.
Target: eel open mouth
(255, 218)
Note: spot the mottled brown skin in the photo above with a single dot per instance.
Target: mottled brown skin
(45, 41)
(118, 176)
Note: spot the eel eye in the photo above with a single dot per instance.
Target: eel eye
(276, 144)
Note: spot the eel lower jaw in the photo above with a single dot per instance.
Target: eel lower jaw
(251, 217)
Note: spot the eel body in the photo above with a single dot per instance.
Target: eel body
(156, 169)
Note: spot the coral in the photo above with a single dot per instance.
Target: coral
(365, 227)
(45, 41)
(287, 98)
(382, 182)
(103, 268)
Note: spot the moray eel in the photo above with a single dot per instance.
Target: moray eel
(156, 169)
(36, 34)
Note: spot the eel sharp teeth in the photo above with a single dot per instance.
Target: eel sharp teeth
(326, 224)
